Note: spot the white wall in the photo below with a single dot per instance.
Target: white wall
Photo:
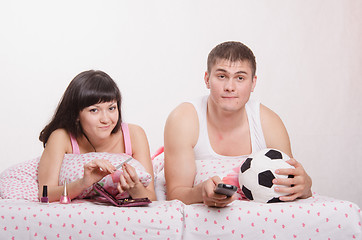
(309, 57)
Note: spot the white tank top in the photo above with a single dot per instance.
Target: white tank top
(203, 149)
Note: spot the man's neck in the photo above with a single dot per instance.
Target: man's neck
(225, 121)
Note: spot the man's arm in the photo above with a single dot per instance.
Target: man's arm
(276, 136)
(181, 135)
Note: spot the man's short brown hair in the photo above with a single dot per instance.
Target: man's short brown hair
(232, 51)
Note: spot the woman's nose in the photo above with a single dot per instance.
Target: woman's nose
(104, 117)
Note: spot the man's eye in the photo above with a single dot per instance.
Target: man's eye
(240, 78)
(222, 76)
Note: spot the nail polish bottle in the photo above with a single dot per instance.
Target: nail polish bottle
(64, 198)
(44, 198)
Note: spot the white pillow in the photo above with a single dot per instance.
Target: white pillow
(227, 169)
(73, 168)
(21, 181)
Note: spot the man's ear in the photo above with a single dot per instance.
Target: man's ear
(207, 80)
(254, 83)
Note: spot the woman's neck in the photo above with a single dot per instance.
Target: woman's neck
(108, 144)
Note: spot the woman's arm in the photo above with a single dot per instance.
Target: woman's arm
(50, 163)
(129, 181)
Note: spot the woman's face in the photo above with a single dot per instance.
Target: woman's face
(99, 120)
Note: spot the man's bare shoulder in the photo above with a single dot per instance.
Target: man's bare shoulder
(268, 116)
(275, 133)
(183, 112)
(182, 122)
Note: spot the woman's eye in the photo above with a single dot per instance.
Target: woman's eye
(93, 110)
(112, 108)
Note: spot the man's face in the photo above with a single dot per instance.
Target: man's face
(230, 84)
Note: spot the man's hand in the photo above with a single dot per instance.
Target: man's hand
(297, 187)
(212, 199)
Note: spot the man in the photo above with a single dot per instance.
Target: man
(225, 123)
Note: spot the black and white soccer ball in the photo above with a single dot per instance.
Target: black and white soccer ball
(257, 173)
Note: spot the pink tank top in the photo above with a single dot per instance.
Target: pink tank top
(126, 139)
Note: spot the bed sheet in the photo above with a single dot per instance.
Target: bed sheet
(23, 219)
(318, 217)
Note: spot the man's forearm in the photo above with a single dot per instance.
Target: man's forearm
(187, 195)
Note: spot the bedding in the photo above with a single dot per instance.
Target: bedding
(84, 219)
(20, 181)
(318, 217)
(227, 170)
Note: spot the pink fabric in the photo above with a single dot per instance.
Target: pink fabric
(314, 218)
(126, 139)
(75, 146)
(158, 152)
(73, 168)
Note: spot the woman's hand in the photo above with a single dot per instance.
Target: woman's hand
(95, 170)
(297, 187)
(212, 199)
(130, 182)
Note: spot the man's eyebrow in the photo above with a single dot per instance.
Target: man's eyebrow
(223, 70)
(241, 72)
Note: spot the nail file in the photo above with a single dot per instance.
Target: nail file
(125, 161)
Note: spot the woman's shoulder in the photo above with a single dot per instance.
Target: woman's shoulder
(138, 139)
(60, 138)
(60, 133)
(135, 129)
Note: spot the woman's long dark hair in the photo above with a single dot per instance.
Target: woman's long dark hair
(86, 89)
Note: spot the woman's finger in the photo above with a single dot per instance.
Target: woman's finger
(132, 173)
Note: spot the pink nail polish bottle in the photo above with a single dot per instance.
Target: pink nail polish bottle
(64, 198)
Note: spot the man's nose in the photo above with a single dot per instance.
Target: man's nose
(229, 85)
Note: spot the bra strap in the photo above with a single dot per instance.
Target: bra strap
(75, 146)
(126, 139)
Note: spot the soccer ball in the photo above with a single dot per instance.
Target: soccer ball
(257, 173)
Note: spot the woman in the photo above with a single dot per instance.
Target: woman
(88, 119)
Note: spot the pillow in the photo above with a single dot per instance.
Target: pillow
(21, 181)
(159, 173)
(226, 169)
(72, 169)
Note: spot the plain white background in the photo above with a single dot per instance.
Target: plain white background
(309, 67)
